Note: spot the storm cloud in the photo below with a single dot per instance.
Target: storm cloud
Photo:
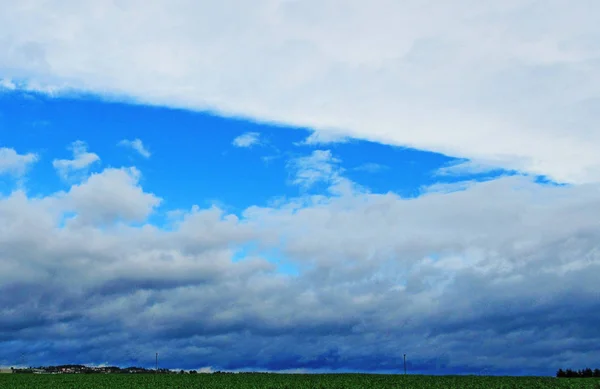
(499, 275)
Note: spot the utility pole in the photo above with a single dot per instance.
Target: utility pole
(404, 364)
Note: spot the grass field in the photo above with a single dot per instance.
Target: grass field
(280, 381)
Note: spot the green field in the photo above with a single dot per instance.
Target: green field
(280, 381)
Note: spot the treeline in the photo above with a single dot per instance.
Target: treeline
(82, 369)
(584, 373)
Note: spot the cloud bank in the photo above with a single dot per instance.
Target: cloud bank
(87, 277)
(513, 84)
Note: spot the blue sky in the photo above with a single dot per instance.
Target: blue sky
(283, 187)
(198, 162)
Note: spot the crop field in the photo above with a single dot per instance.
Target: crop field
(281, 381)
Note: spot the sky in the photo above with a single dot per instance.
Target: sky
(300, 186)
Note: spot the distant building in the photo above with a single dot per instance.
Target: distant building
(4, 371)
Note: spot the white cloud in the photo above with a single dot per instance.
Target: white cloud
(82, 159)
(515, 82)
(137, 145)
(319, 166)
(7, 84)
(248, 139)
(113, 195)
(324, 138)
(465, 168)
(14, 163)
(322, 167)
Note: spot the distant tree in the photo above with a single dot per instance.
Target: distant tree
(561, 373)
(597, 373)
(193, 372)
(182, 372)
(570, 373)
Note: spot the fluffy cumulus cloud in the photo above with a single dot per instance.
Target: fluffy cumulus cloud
(508, 262)
(113, 195)
(11, 162)
(82, 160)
(513, 84)
(247, 139)
(136, 145)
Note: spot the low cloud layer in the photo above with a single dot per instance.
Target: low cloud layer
(513, 84)
(498, 276)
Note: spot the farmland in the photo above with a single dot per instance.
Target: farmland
(289, 381)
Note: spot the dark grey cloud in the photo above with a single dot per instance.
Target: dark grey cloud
(499, 276)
